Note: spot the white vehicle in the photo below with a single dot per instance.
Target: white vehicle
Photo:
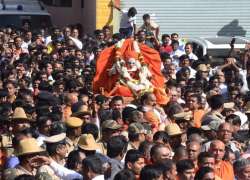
(216, 47)
(16, 12)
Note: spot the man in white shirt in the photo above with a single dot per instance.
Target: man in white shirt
(175, 36)
(27, 40)
(128, 21)
(44, 126)
(176, 53)
(185, 62)
(189, 52)
(222, 86)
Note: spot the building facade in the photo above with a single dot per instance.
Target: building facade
(192, 18)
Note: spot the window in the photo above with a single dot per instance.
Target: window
(58, 3)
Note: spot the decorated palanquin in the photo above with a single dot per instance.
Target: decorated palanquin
(129, 69)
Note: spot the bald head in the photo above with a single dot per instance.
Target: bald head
(217, 148)
(160, 152)
(194, 143)
(193, 150)
(216, 143)
(195, 137)
(225, 132)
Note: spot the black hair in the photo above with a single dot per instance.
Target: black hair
(189, 43)
(45, 86)
(204, 155)
(132, 156)
(193, 130)
(10, 82)
(174, 34)
(73, 159)
(166, 165)
(183, 69)
(42, 120)
(184, 56)
(228, 151)
(52, 147)
(90, 128)
(132, 12)
(116, 114)
(184, 165)
(133, 136)
(145, 96)
(202, 172)
(42, 110)
(127, 113)
(97, 32)
(171, 82)
(164, 55)
(145, 16)
(216, 101)
(145, 145)
(198, 97)
(117, 98)
(161, 135)
(106, 27)
(15, 38)
(116, 146)
(165, 36)
(174, 42)
(125, 174)
(93, 163)
(233, 119)
(150, 172)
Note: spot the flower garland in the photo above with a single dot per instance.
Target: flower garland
(138, 87)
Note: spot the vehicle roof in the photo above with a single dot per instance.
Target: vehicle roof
(219, 42)
(23, 13)
(31, 7)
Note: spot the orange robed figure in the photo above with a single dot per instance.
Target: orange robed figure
(129, 69)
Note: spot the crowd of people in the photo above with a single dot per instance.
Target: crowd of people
(54, 126)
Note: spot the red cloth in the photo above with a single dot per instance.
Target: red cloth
(168, 49)
(106, 60)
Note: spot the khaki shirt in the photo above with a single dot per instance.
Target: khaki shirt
(212, 116)
(71, 145)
